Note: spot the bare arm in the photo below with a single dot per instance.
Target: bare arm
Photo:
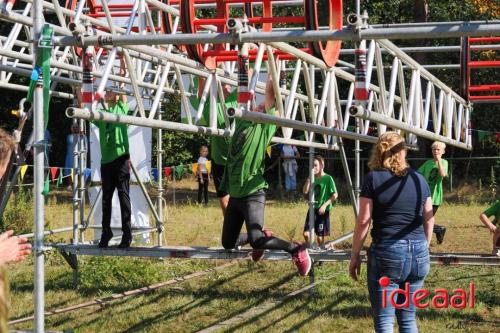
(486, 221)
(306, 187)
(362, 224)
(122, 97)
(360, 232)
(428, 220)
(442, 171)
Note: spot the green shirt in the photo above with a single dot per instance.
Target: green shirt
(218, 144)
(324, 188)
(494, 211)
(113, 137)
(244, 172)
(430, 171)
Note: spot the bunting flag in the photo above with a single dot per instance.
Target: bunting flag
(179, 171)
(46, 185)
(268, 151)
(208, 166)
(194, 168)
(154, 173)
(23, 171)
(167, 171)
(53, 173)
(88, 173)
(60, 178)
(481, 135)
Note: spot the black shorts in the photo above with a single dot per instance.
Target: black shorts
(321, 223)
(218, 173)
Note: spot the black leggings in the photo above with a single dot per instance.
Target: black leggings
(437, 228)
(203, 188)
(250, 209)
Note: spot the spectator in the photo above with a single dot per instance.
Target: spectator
(434, 171)
(289, 153)
(202, 174)
(397, 200)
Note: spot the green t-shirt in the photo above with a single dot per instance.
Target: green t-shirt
(244, 172)
(324, 188)
(494, 211)
(113, 137)
(430, 171)
(218, 144)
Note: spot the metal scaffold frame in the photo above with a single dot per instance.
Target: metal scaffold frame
(377, 94)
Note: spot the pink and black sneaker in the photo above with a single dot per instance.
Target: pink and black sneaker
(257, 254)
(302, 260)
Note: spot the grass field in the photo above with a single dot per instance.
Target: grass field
(337, 305)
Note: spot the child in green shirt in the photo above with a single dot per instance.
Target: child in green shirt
(325, 194)
(492, 225)
(244, 181)
(434, 171)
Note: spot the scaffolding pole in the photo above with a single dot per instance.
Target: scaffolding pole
(427, 31)
(39, 158)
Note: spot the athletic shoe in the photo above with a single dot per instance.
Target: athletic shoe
(257, 254)
(105, 238)
(440, 235)
(302, 260)
(496, 252)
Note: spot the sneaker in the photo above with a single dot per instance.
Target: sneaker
(105, 238)
(496, 252)
(302, 260)
(257, 254)
(440, 235)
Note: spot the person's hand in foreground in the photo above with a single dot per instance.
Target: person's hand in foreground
(355, 266)
(12, 248)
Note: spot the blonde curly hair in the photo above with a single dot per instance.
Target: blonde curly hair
(386, 154)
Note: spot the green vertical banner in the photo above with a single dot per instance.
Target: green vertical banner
(46, 45)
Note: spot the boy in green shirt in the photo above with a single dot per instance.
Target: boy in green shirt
(493, 211)
(244, 181)
(115, 167)
(434, 171)
(325, 194)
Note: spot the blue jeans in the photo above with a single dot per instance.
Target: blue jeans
(290, 182)
(401, 261)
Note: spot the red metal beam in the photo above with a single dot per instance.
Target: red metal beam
(484, 63)
(484, 39)
(485, 87)
(484, 98)
(253, 20)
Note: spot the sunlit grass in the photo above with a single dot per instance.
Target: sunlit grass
(338, 305)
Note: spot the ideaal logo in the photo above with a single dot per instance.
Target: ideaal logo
(459, 299)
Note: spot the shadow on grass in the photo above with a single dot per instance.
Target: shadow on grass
(207, 295)
(202, 297)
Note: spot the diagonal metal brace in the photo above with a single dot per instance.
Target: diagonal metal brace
(71, 259)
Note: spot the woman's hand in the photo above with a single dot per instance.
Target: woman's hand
(355, 266)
